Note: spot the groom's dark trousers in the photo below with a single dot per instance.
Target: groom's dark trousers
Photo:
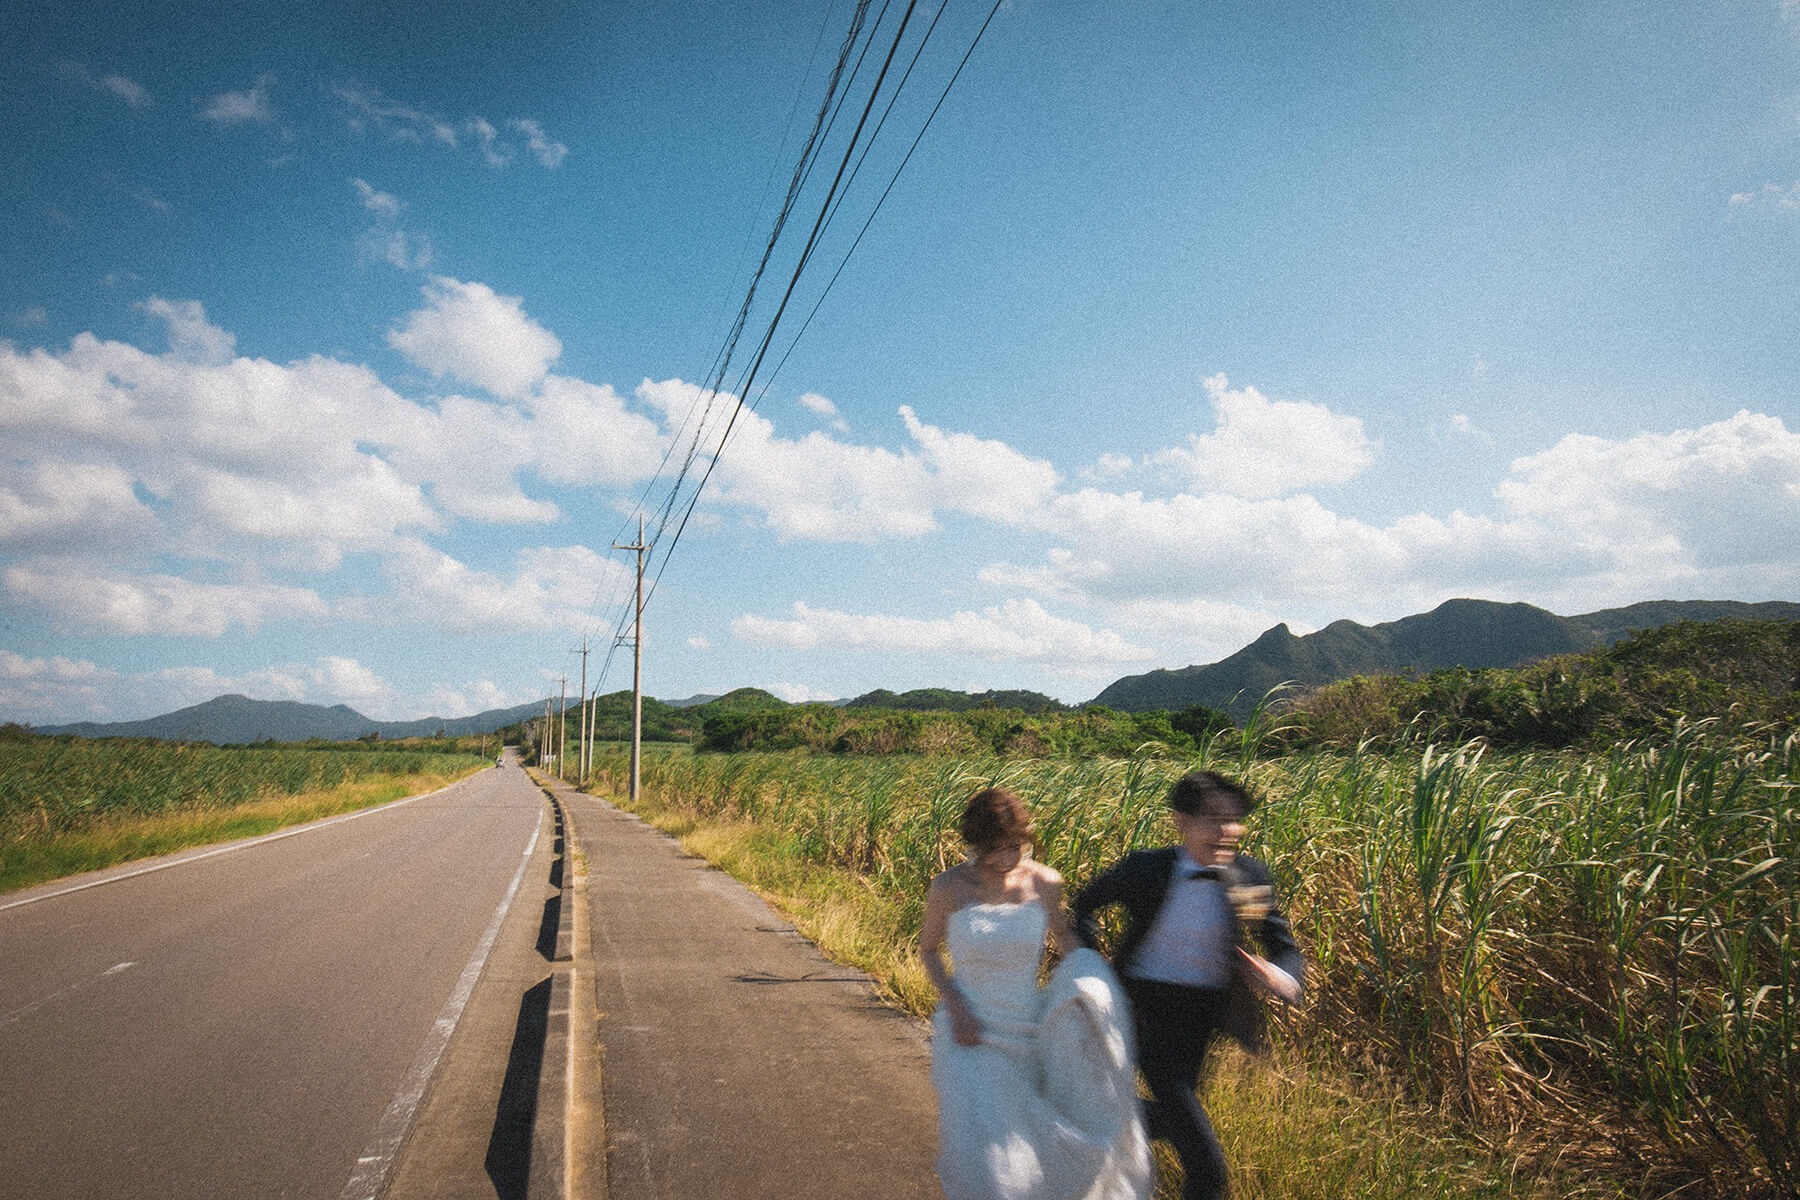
(1175, 1025)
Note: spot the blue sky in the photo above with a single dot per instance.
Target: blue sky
(340, 342)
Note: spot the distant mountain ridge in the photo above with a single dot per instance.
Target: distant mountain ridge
(1457, 633)
(1467, 633)
(234, 720)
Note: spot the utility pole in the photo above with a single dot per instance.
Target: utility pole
(562, 725)
(581, 768)
(637, 664)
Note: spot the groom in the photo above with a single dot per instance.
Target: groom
(1189, 910)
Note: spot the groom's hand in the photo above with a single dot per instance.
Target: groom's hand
(1268, 978)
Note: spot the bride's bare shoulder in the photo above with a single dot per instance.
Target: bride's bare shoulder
(951, 881)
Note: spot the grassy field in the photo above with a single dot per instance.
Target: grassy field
(1532, 974)
(69, 805)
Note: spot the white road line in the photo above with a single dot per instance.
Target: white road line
(269, 837)
(377, 1159)
(20, 1013)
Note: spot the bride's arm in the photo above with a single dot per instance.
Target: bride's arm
(1062, 933)
(965, 1029)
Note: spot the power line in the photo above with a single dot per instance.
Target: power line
(793, 282)
(856, 151)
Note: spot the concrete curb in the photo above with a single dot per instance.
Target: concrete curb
(552, 1170)
(565, 909)
(548, 1175)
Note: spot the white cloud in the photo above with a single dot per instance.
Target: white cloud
(549, 153)
(812, 402)
(1461, 423)
(1207, 630)
(41, 691)
(1778, 195)
(468, 332)
(550, 589)
(466, 700)
(397, 248)
(821, 488)
(1019, 630)
(378, 202)
(46, 502)
(401, 122)
(1263, 448)
(76, 599)
(1723, 495)
(617, 445)
(385, 243)
(474, 450)
(191, 335)
(1109, 466)
(57, 690)
(487, 142)
(699, 641)
(1708, 512)
(237, 108)
(213, 458)
(128, 90)
(797, 693)
(121, 86)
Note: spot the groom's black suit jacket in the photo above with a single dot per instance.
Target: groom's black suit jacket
(1140, 882)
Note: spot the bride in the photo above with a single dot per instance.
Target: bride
(1037, 1087)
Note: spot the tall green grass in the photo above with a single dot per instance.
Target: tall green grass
(70, 804)
(1586, 960)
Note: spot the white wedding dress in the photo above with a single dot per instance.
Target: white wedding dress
(1046, 1107)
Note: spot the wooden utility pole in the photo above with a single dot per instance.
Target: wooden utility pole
(581, 767)
(562, 725)
(593, 707)
(637, 664)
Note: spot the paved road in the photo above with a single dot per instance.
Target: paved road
(256, 1020)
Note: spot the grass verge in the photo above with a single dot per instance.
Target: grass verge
(1291, 1129)
(110, 841)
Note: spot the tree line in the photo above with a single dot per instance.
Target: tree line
(1735, 671)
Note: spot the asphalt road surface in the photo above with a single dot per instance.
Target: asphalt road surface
(255, 1020)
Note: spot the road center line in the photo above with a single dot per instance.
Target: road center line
(20, 1013)
(377, 1159)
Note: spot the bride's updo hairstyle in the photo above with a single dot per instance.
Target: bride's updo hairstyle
(995, 817)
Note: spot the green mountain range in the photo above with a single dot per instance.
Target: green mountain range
(1457, 633)
(238, 720)
(1465, 633)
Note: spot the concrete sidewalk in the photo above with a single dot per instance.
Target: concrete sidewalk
(737, 1060)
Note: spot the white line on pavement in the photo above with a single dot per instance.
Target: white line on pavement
(377, 1160)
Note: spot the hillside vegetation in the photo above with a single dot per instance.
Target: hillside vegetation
(1738, 672)
(1471, 634)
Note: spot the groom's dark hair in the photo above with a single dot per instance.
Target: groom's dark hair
(1199, 792)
